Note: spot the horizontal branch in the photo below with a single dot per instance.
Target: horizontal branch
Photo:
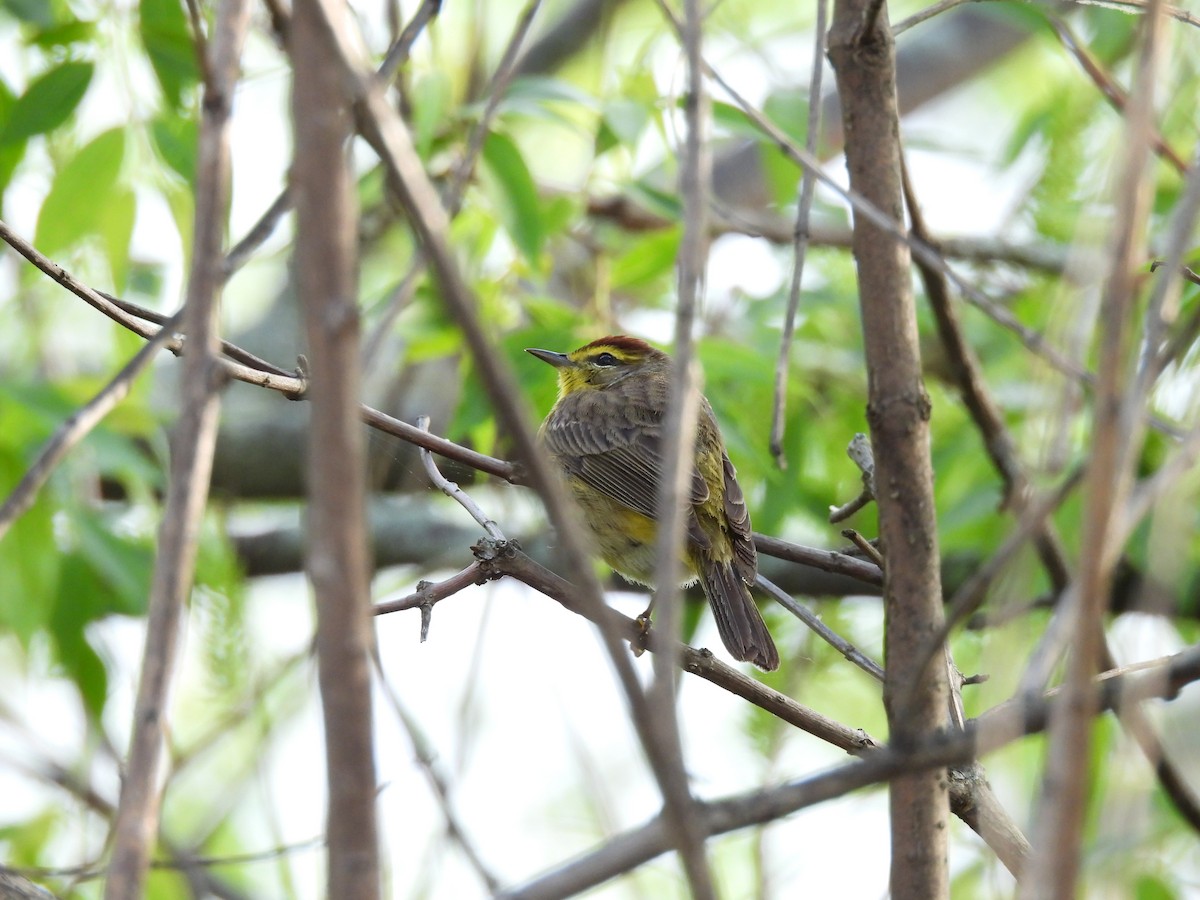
(993, 730)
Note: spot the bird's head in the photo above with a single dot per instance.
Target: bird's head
(602, 363)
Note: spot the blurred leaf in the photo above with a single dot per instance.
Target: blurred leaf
(545, 98)
(24, 842)
(789, 110)
(47, 102)
(652, 256)
(80, 194)
(122, 564)
(521, 209)
(657, 201)
(10, 154)
(621, 123)
(732, 120)
(783, 179)
(176, 138)
(168, 41)
(78, 31)
(115, 226)
(78, 587)
(430, 105)
(29, 561)
(1151, 887)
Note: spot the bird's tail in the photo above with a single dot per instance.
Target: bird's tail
(739, 622)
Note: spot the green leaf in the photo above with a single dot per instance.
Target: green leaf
(29, 560)
(47, 102)
(176, 138)
(651, 257)
(788, 109)
(10, 154)
(731, 119)
(78, 31)
(430, 103)
(122, 565)
(1151, 887)
(115, 226)
(80, 193)
(521, 207)
(71, 617)
(168, 42)
(622, 123)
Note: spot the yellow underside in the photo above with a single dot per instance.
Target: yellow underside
(625, 538)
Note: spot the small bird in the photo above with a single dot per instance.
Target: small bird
(606, 433)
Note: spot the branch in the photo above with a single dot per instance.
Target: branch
(338, 566)
(1116, 435)
(991, 732)
(804, 200)
(863, 56)
(191, 463)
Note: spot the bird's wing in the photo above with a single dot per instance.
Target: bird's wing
(613, 446)
(745, 555)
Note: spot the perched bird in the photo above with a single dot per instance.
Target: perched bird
(606, 433)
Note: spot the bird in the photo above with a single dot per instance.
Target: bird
(605, 433)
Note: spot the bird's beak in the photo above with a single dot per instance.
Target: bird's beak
(558, 360)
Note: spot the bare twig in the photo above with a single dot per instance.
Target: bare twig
(326, 263)
(1116, 434)
(426, 759)
(397, 55)
(679, 441)
(825, 560)
(191, 464)
(428, 594)
(995, 730)
(453, 491)
(1163, 306)
(804, 199)
(823, 631)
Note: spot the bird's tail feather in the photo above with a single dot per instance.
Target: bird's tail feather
(739, 622)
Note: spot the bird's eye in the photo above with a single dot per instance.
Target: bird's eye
(606, 359)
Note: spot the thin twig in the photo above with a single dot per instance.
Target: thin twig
(679, 441)
(1116, 436)
(804, 200)
(1163, 306)
(453, 491)
(925, 14)
(823, 631)
(865, 571)
(993, 731)
(427, 594)
(426, 759)
(399, 52)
